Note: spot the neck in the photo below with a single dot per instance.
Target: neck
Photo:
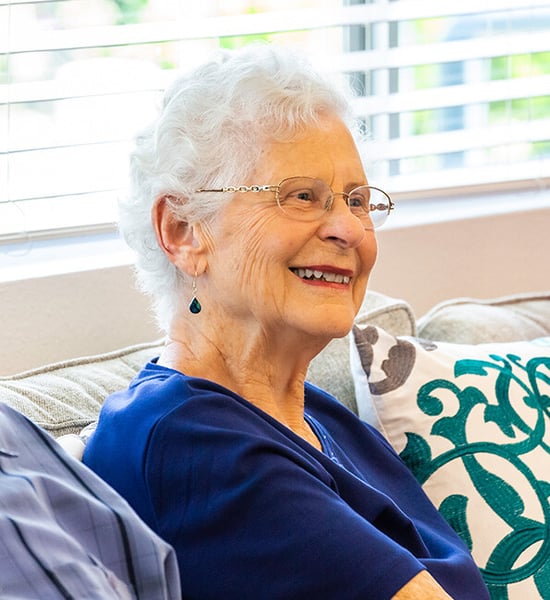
(263, 368)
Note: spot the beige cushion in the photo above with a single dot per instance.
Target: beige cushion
(64, 397)
(506, 319)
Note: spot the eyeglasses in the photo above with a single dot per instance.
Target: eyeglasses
(308, 199)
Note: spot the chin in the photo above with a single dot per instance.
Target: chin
(333, 326)
(321, 320)
(340, 333)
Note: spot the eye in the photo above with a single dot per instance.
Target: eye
(357, 200)
(302, 195)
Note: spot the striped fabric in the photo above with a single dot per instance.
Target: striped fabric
(64, 533)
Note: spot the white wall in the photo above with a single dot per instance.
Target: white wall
(58, 317)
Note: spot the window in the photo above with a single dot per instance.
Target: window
(455, 95)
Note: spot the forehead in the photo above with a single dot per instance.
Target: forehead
(326, 151)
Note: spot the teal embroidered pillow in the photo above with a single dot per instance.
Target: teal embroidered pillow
(473, 424)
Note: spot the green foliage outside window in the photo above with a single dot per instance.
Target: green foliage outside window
(130, 10)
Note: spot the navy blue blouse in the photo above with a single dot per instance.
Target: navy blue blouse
(254, 511)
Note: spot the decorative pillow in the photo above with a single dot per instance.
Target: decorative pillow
(473, 424)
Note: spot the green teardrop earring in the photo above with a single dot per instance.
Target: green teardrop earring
(195, 306)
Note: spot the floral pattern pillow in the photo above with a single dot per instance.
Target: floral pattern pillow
(473, 424)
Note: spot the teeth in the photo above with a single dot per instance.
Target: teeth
(330, 277)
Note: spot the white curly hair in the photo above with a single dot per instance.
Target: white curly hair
(207, 134)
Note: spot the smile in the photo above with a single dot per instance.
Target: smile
(321, 276)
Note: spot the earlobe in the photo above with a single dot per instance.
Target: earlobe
(176, 237)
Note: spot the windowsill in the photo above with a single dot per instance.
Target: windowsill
(415, 213)
(88, 252)
(56, 256)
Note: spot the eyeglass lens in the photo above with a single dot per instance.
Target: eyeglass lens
(307, 199)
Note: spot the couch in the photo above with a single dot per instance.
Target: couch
(462, 393)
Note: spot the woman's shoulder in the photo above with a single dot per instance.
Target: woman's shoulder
(162, 414)
(155, 399)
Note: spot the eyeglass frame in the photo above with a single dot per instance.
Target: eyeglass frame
(233, 189)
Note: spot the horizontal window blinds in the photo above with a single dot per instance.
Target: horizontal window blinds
(453, 95)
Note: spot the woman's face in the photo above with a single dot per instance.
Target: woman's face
(258, 256)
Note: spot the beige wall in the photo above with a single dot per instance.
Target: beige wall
(55, 318)
(482, 258)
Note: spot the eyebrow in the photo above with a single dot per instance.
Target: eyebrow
(351, 186)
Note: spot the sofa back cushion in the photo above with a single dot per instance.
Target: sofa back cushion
(506, 319)
(64, 397)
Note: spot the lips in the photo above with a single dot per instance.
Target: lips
(321, 275)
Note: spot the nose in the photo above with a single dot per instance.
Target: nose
(341, 225)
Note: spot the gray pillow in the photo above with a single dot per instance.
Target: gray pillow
(471, 321)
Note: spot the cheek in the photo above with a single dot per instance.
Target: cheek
(257, 253)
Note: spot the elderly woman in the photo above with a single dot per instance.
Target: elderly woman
(253, 223)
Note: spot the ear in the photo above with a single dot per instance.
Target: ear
(178, 239)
